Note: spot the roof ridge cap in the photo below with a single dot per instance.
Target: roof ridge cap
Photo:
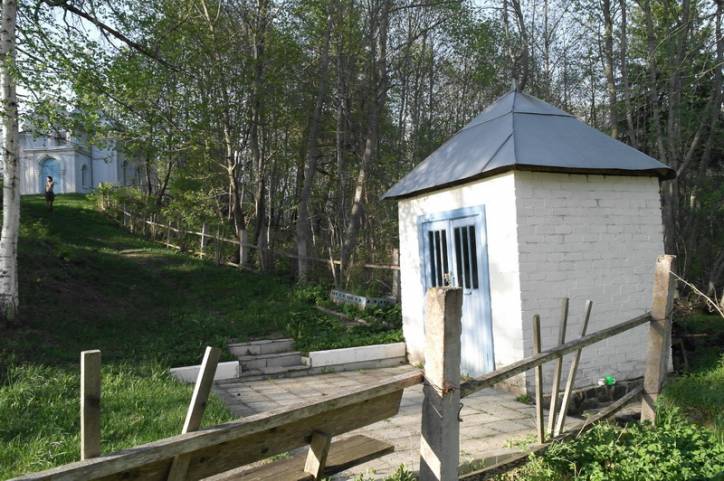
(515, 138)
(497, 151)
(467, 127)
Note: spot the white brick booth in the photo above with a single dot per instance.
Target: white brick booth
(522, 207)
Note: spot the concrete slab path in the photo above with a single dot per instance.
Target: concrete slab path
(491, 419)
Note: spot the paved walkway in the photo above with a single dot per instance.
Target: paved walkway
(491, 419)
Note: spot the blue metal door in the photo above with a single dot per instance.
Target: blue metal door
(454, 253)
(51, 167)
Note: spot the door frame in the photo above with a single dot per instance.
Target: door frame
(481, 222)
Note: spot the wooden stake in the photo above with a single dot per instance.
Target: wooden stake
(317, 454)
(561, 421)
(90, 404)
(440, 440)
(659, 342)
(195, 413)
(538, 381)
(558, 367)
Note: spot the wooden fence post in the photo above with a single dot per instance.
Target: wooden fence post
(217, 245)
(90, 404)
(538, 382)
(204, 232)
(396, 274)
(440, 440)
(659, 343)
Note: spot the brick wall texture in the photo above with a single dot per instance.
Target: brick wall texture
(588, 237)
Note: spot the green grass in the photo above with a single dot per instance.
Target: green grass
(700, 392)
(85, 283)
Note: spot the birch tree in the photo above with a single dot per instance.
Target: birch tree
(9, 298)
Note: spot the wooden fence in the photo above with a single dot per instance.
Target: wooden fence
(221, 451)
(211, 242)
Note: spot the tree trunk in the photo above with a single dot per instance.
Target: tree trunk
(609, 67)
(632, 135)
(259, 43)
(523, 59)
(312, 154)
(377, 93)
(669, 195)
(9, 300)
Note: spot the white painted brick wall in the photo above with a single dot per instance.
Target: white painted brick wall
(498, 195)
(588, 237)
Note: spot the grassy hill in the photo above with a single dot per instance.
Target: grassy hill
(87, 284)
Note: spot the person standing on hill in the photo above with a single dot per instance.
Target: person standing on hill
(49, 194)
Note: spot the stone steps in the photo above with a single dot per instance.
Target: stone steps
(256, 348)
(268, 358)
(279, 359)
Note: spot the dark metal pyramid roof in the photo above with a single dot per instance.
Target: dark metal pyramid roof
(522, 132)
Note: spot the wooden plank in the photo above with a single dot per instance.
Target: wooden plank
(202, 388)
(90, 404)
(558, 367)
(570, 382)
(343, 455)
(199, 398)
(505, 372)
(659, 340)
(317, 455)
(519, 460)
(538, 382)
(284, 438)
(145, 460)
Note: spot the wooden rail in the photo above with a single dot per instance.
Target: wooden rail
(472, 385)
(227, 240)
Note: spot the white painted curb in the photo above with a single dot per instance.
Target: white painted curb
(349, 355)
(224, 370)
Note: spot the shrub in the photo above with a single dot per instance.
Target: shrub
(674, 449)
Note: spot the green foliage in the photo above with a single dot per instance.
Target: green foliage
(673, 450)
(314, 332)
(699, 393)
(524, 398)
(312, 294)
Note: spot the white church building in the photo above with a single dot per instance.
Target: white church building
(76, 165)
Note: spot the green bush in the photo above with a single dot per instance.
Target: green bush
(675, 449)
